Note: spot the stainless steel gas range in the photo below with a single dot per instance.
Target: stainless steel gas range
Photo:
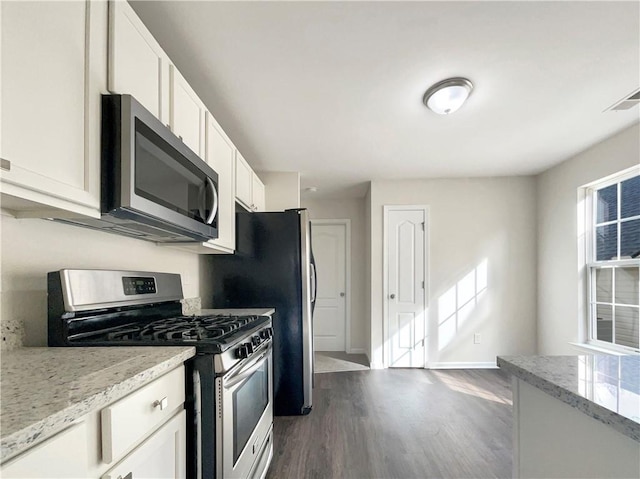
(229, 381)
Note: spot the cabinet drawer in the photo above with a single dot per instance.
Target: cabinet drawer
(64, 455)
(162, 456)
(130, 419)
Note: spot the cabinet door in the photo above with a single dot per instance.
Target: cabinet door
(161, 456)
(137, 64)
(244, 181)
(46, 100)
(257, 194)
(187, 113)
(220, 155)
(63, 455)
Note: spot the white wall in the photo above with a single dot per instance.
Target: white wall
(31, 248)
(354, 210)
(561, 288)
(367, 282)
(282, 190)
(470, 221)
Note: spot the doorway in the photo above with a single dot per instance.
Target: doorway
(405, 285)
(331, 241)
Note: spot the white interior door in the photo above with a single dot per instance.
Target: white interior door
(405, 236)
(329, 242)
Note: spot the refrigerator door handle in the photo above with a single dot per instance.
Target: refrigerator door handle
(314, 284)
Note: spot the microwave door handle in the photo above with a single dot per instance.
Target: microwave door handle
(201, 198)
(214, 201)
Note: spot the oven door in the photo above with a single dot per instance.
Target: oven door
(245, 418)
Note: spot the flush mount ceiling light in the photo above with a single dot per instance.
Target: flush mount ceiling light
(447, 96)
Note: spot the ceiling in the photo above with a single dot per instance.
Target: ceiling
(334, 90)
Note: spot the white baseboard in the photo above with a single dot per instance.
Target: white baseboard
(462, 365)
(356, 351)
(377, 366)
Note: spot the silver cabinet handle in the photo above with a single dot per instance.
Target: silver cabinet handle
(163, 403)
(5, 164)
(392, 296)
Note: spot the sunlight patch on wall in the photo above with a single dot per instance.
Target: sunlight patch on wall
(456, 305)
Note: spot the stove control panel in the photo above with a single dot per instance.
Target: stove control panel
(266, 333)
(138, 285)
(245, 350)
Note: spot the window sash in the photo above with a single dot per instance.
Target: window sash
(592, 264)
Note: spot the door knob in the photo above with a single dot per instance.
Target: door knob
(342, 295)
(392, 296)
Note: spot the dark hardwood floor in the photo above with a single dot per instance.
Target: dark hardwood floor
(399, 423)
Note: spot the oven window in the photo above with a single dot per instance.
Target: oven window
(249, 402)
(162, 176)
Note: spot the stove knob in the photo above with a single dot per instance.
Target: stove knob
(242, 351)
(266, 333)
(256, 340)
(249, 347)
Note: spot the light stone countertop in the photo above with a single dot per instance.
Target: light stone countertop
(604, 387)
(43, 390)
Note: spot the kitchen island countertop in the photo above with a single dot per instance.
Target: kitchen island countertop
(44, 390)
(604, 387)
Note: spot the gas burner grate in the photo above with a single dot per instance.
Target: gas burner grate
(180, 328)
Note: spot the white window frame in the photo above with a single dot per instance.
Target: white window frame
(592, 264)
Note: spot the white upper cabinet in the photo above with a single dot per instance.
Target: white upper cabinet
(220, 156)
(249, 188)
(244, 180)
(187, 113)
(53, 71)
(137, 64)
(257, 193)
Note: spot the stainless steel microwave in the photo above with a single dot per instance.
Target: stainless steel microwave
(153, 187)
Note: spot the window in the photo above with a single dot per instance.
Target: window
(614, 262)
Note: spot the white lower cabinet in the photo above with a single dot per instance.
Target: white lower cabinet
(127, 421)
(63, 455)
(162, 456)
(142, 435)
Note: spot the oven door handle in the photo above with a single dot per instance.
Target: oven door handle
(247, 371)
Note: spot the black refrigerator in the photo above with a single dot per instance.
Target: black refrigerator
(273, 267)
